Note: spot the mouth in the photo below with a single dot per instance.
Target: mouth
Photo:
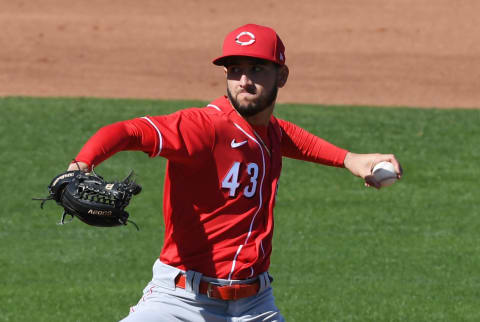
(246, 97)
(247, 92)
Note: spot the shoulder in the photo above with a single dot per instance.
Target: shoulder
(197, 116)
(217, 112)
(206, 112)
(284, 125)
(278, 125)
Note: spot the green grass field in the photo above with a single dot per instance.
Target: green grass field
(342, 252)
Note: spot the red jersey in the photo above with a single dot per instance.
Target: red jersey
(220, 184)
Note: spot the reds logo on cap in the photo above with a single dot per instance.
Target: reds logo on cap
(252, 40)
(248, 35)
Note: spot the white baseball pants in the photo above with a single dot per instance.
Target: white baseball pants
(162, 301)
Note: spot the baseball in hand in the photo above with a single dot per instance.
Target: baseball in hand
(384, 173)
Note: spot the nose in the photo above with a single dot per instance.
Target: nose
(245, 80)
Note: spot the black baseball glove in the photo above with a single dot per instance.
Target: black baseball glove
(90, 198)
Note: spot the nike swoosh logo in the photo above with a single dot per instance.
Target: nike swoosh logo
(237, 144)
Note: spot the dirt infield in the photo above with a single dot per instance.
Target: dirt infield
(378, 52)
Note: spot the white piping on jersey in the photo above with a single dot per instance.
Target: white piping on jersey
(263, 250)
(234, 262)
(260, 200)
(214, 106)
(160, 139)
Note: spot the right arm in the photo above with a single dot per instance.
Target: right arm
(176, 136)
(126, 135)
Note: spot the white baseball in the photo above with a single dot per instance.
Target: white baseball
(384, 173)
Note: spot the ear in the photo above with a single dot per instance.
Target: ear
(282, 76)
(225, 70)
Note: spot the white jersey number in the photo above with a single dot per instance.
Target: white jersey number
(231, 180)
(252, 170)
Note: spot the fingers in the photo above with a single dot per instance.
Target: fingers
(400, 171)
(370, 180)
(362, 166)
(393, 160)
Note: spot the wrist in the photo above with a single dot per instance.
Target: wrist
(78, 165)
(348, 160)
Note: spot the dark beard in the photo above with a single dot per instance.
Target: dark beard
(254, 108)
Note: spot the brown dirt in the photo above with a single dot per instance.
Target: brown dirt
(400, 52)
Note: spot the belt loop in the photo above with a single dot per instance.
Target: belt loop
(268, 281)
(264, 282)
(197, 278)
(192, 281)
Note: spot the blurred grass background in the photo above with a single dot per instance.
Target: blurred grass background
(342, 252)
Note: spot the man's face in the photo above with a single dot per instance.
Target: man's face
(252, 84)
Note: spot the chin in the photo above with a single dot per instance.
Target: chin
(247, 103)
(247, 107)
(247, 98)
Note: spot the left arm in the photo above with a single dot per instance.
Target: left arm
(299, 144)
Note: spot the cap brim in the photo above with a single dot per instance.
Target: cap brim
(220, 61)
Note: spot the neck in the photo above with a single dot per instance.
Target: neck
(262, 118)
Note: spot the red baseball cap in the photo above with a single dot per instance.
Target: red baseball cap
(253, 41)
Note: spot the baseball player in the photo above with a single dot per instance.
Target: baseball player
(224, 163)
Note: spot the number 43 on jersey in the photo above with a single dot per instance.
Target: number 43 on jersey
(231, 183)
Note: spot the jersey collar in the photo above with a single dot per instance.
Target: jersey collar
(223, 104)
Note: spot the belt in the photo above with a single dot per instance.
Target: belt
(221, 292)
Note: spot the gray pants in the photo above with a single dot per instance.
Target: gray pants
(162, 301)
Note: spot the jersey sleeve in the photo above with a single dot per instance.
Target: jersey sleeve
(183, 135)
(300, 144)
(180, 136)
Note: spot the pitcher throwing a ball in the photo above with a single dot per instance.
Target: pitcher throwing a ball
(224, 163)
